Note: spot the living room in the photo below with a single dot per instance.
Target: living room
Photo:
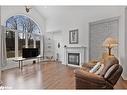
(67, 38)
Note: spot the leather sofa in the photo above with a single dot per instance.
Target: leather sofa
(105, 80)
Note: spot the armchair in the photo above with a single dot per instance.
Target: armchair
(105, 80)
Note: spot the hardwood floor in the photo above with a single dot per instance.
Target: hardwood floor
(44, 76)
(40, 76)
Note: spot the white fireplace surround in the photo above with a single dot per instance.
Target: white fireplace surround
(79, 49)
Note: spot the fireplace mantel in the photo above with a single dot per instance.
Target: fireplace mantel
(75, 49)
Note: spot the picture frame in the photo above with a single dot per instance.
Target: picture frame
(73, 36)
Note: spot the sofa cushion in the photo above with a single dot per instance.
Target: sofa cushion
(110, 61)
(100, 69)
(111, 71)
(95, 68)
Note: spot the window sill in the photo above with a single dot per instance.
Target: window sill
(9, 59)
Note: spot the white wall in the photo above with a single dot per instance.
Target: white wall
(125, 64)
(0, 41)
(57, 36)
(0, 15)
(80, 18)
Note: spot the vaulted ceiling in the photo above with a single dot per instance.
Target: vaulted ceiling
(55, 12)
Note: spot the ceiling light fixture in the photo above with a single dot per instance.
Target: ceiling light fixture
(27, 8)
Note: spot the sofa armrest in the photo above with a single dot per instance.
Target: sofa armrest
(90, 77)
(89, 65)
(94, 61)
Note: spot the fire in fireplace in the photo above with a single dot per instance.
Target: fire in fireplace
(74, 58)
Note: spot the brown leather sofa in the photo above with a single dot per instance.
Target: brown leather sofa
(105, 80)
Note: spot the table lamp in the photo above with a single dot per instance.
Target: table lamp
(109, 43)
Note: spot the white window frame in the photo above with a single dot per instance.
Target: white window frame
(26, 40)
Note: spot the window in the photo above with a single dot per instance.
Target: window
(38, 42)
(26, 31)
(10, 43)
(22, 23)
(21, 43)
(30, 41)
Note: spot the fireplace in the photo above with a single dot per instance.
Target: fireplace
(74, 58)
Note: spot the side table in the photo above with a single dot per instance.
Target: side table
(20, 61)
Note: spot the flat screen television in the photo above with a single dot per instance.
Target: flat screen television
(29, 52)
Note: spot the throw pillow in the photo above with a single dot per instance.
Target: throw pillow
(100, 69)
(95, 68)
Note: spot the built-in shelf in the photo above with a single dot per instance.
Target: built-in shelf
(48, 48)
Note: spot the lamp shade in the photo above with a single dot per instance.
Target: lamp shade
(110, 42)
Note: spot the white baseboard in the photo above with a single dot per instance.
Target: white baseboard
(124, 76)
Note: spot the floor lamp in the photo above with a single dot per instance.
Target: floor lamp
(110, 43)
